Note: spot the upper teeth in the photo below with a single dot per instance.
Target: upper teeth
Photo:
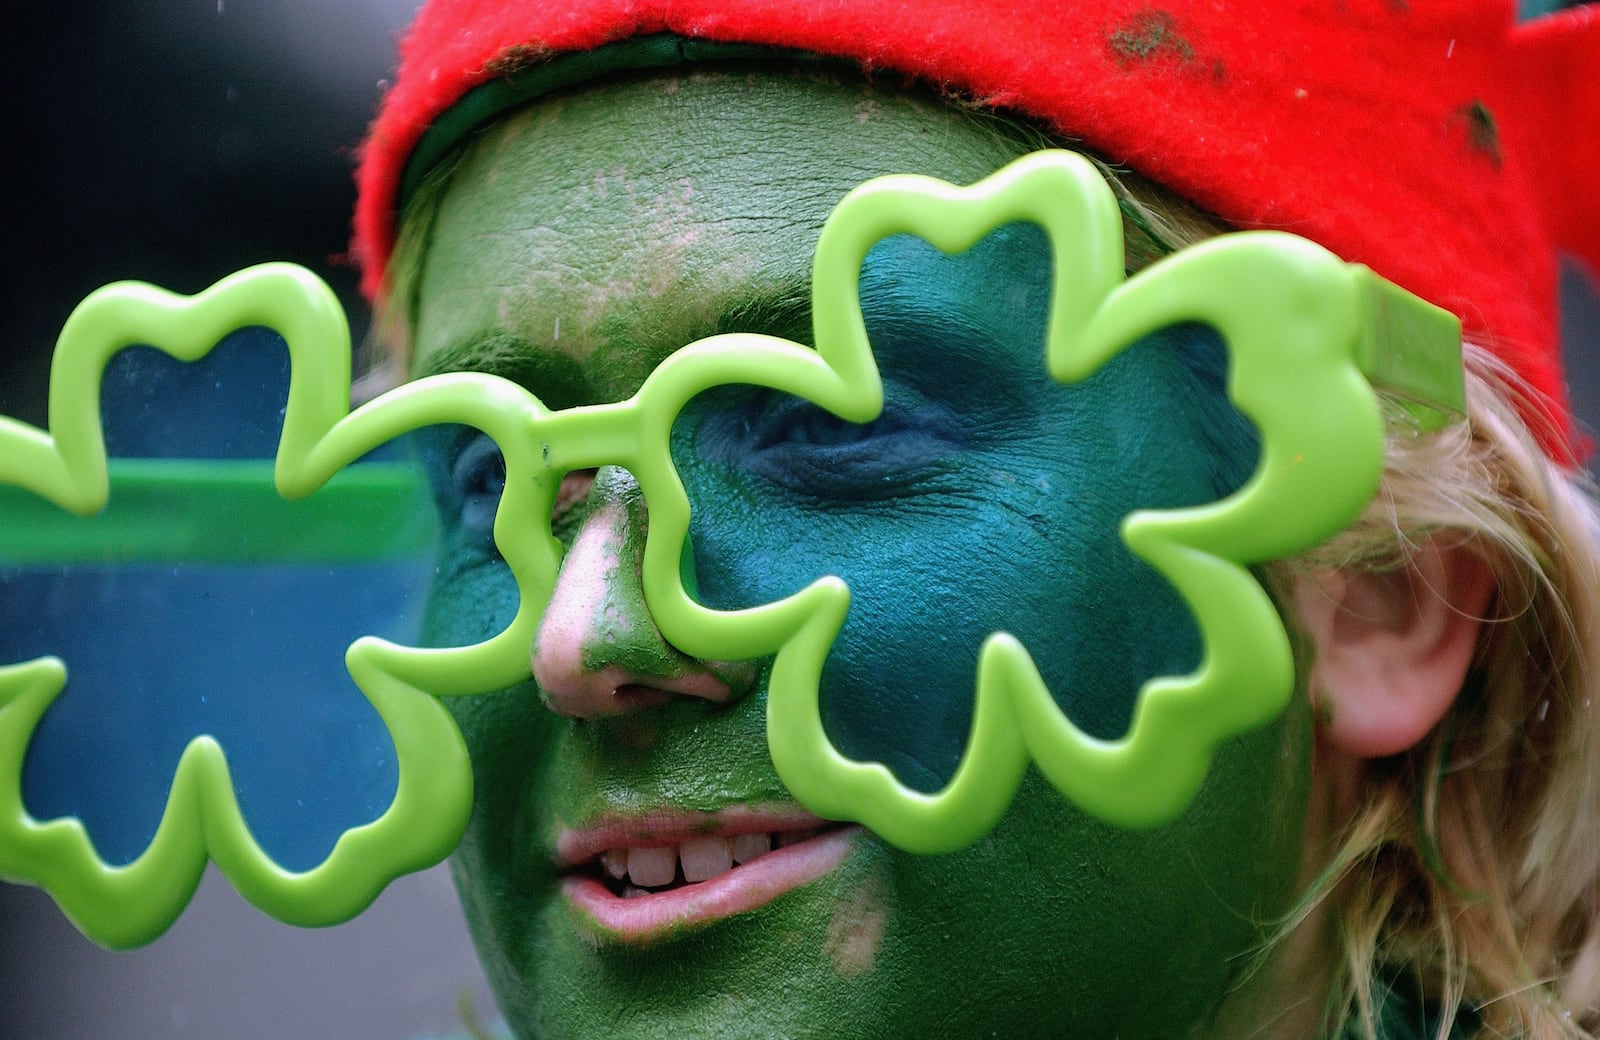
(700, 859)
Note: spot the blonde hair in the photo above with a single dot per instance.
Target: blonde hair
(1473, 863)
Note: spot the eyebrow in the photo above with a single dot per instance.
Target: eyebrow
(487, 353)
(557, 380)
(779, 310)
(898, 310)
(782, 309)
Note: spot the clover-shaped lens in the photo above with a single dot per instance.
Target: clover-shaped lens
(199, 602)
(984, 497)
(227, 727)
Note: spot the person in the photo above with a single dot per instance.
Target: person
(566, 193)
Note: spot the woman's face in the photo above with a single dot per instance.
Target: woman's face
(579, 242)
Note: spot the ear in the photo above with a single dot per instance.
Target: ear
(1392, 648)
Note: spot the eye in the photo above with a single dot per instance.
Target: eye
(478, 478)
(799, 423)
(796, 444)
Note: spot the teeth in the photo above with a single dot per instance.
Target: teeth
(705, 858)
(701, 859)
(652, 868)
(747, 847)
(615, 862)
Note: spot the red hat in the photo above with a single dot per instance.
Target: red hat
(1437, 141)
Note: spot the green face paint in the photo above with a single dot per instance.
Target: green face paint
(594, 234)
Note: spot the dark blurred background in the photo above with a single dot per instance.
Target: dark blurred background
(175, 141)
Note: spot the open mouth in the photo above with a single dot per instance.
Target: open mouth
(639, 881)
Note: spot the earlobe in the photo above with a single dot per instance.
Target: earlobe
(1392, 648)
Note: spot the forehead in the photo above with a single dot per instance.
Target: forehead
(581, 239)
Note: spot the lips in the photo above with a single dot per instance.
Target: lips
(639, 880)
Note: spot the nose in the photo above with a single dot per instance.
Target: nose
(598, 651)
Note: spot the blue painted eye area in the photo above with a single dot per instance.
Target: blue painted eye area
(467, 475)
(794, 445)
(984, 497)
(478, 479)
(467, 472)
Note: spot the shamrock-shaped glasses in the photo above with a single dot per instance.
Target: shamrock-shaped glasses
(1307, 338)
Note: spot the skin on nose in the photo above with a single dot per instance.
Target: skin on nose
(598, 651)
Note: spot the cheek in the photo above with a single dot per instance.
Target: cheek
(474, 598)
(473, 595)
(855, 931)
(1139, 934)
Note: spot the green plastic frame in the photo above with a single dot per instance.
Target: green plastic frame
(1307, 336)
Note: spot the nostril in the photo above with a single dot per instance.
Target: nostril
(587, 694)
(631, 697)
(616, 691)
(597, 650)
